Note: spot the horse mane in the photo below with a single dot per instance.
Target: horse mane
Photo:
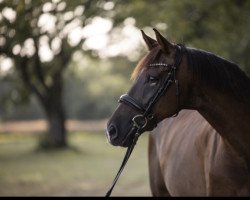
(207, 68)
(219, 73)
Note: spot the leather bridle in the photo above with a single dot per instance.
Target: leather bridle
(140, 121)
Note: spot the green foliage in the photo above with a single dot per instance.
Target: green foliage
(30, 28)
(27, 27)
(92, 90)
(221, 27)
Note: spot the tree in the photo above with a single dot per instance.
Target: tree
(29, 29)
(221, 27)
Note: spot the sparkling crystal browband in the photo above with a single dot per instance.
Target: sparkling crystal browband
(159, 64)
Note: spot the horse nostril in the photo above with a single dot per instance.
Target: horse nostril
(112, 131)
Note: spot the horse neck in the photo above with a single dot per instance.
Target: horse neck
(229, 116)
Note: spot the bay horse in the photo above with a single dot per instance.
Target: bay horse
(196, 105)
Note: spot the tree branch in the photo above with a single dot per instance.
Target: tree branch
(27, 80)
(7, 52)
(38, 67)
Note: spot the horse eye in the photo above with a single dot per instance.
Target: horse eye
(153, 80)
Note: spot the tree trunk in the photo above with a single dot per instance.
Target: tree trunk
(56, 136)
(55, 115)
(56, 133)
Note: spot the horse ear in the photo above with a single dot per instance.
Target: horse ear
(151, 43)
(166, 46)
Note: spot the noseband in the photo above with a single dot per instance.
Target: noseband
(140, 121)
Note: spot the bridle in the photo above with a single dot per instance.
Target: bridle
(140, 121)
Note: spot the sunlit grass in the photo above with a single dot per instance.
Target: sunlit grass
(85, 169)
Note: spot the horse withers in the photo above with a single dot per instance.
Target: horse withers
(203, 151)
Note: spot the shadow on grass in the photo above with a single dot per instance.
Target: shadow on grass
(50, 149)
(43, 146)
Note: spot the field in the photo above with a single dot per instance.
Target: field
(85, 169)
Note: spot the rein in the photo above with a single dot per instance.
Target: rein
(140, 121)
(125, 159)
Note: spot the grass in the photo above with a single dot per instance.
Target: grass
(87, 169)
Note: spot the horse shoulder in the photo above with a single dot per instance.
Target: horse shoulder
(195, 160)
(179, 156)
(227, 172)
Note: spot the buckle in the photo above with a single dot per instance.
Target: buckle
(140, 121)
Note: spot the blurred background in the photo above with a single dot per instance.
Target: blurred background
(64, 64)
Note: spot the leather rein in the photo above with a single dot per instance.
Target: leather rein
(140, 121)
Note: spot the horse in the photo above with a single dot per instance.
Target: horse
(195, 104)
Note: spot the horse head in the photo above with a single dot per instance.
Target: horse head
(159, 90)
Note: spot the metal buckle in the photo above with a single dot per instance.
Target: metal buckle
(140, 121)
